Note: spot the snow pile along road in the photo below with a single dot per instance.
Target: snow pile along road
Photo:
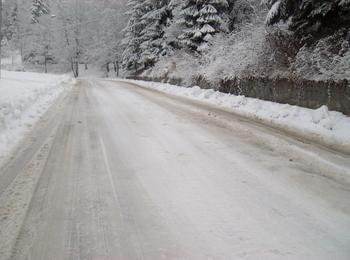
(24, 98)
(330, 127)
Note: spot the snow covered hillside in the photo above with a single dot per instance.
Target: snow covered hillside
(24, 97)
(329, 127)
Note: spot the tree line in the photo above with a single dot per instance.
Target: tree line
(137, 34)
(158, 28)
(64, 34)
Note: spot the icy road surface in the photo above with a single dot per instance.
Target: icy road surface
(115, 171)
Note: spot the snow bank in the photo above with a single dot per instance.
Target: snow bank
(330, 127)
(24, 97)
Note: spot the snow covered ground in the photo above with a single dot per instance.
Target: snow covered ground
(329, 127)
(24, 97)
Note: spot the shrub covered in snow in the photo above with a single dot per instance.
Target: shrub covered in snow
(329, 58)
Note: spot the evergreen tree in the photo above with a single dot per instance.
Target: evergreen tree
(202, 19)
(38, 9)
(310, 16)
(152, 39)
(133, 33)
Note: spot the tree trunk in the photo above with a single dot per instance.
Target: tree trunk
(45, 63)
(72, 67)
(21, 52)
(107, 69)
(46, 56)
(75, 68)
(116, 67)
(86, 66)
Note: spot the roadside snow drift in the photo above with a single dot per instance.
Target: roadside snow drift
(329, 127)
(24, 97)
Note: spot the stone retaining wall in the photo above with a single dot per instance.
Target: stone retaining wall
(300, 92)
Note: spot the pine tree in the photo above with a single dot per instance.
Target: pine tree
(153, 43)
(38, 9)
(133, 32)
(202, 19)
(310, 16)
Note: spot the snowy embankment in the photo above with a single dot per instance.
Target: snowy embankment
(24, 98)
(330, 127)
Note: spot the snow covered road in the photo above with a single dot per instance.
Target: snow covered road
(115, 171)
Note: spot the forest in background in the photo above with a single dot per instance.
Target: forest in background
(63, 35)
(214, 39)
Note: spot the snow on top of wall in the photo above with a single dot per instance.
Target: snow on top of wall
(329, 127)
